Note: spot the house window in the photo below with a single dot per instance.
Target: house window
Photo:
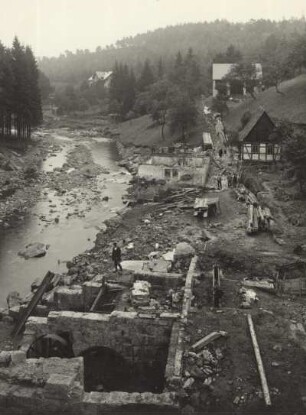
(255, 148)
(174, 173)
(270, 149)
(167, 173)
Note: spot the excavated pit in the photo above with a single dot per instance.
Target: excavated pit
(105, 370)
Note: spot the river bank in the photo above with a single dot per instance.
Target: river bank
(234, 385)
(75, 185)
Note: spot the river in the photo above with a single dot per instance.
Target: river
(70, 236)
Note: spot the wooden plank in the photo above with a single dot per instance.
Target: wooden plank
(200, 344)
(33, 303)
(260, 366)
(98, 297)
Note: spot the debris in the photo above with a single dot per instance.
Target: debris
(275, 364)
(277, 348)
(188, 384)
(13, 299)
(141, 293)
(204, 207)
(248, 297)
(208, 339)
(263, 284)
(236, 400)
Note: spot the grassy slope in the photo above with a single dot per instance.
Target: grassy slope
(288, 106)
(142, 132)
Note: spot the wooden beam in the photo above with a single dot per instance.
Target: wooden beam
(98, 297)
(260, 366)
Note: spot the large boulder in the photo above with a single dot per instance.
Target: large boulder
(33, 250)
(183, 250)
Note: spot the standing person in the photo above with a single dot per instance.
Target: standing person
(116, 257)
(234, 180)
(230, 179)
(219, 182)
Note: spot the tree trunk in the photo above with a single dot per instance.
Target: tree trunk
(162, 131)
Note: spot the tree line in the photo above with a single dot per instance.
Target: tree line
(168, 94)
(205, 38)
(20, 100)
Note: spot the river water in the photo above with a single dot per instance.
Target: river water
(69, 237)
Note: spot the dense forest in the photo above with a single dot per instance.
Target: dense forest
(206, 40)
(20, 98)
(168, 87)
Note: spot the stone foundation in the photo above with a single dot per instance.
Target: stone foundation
(54, 385)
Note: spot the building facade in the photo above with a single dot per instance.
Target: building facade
(175, 165)
(256, 140)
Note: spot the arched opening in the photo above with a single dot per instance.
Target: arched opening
(105, 370)
(51, 345)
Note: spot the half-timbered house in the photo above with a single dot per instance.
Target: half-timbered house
(257, 141)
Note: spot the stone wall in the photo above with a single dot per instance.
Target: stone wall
(137, 339)
(55, 386)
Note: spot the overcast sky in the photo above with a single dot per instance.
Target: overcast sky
(53, 26)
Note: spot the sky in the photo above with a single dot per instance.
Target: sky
(52, 26)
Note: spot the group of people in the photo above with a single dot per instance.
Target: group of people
(232, 180)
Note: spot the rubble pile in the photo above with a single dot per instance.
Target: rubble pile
(141, 293)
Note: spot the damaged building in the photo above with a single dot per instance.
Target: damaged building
(77, 357)
(177, 164)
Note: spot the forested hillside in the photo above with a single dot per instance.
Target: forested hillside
(206, 40)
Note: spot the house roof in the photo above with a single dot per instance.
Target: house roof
(255, 117)
(101, 76)
(220, 70)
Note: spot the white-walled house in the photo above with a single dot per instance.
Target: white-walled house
(177, 165)
(220, 70)
(105, 77)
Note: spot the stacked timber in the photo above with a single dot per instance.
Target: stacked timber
(259, 217)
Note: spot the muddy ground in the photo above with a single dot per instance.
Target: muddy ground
(233, 386)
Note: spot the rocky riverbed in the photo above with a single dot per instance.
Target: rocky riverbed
(59, 194)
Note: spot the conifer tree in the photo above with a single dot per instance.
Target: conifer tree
(146, 78)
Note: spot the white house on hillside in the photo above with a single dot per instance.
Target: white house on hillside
(101, 76)
(220, 70)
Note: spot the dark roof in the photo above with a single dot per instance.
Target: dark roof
(255, 117)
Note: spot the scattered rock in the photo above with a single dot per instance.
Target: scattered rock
(183, 249)
(34, 250)
(188, 383)
(13, 299)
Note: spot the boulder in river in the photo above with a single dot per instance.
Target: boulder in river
(34, 250)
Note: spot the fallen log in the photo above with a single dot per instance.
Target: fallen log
(208, 339)
(260, 365)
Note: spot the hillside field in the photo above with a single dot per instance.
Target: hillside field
(289, 105)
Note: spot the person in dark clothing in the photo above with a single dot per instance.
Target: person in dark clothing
(230, 180)
(218, 294)
(235, 180)
(219, 182)
(220, 153)
(116, 257)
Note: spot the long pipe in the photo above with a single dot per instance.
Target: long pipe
(260, 366)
